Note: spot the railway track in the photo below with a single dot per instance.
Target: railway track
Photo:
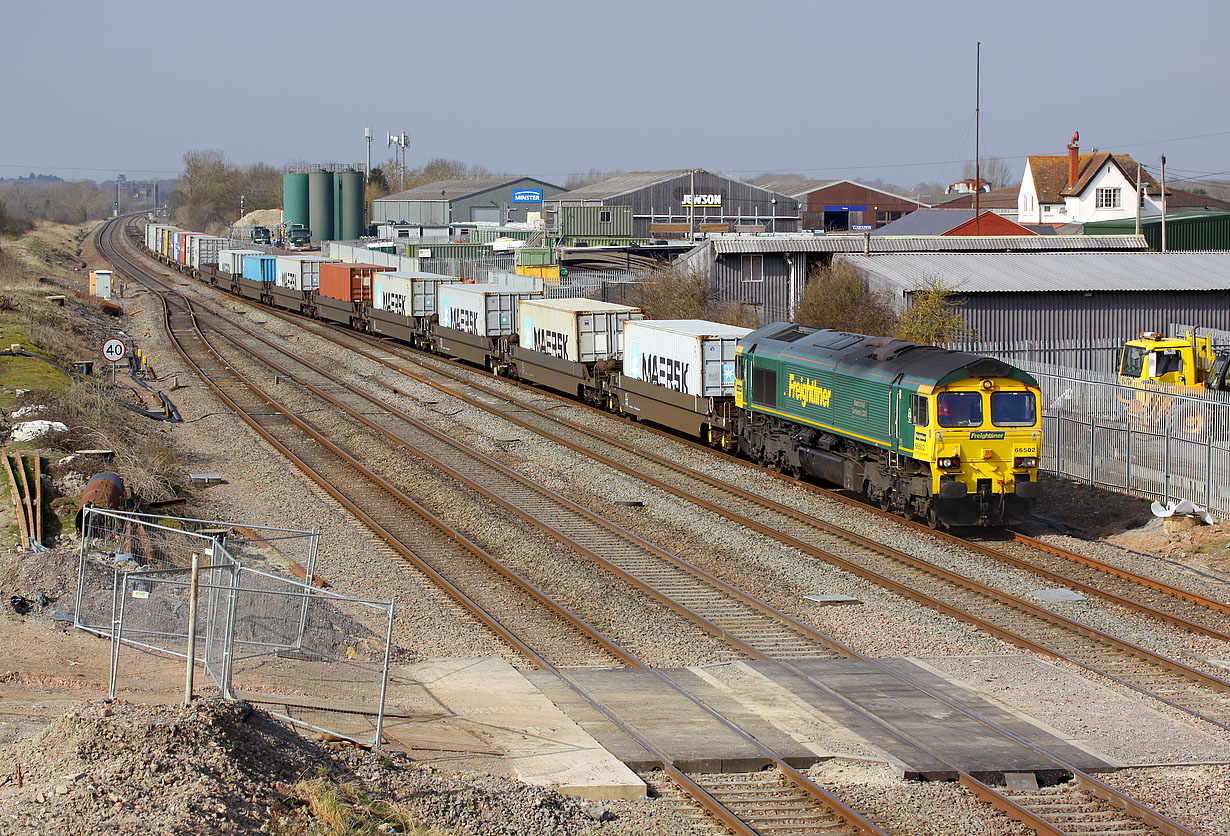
(1009, 617)
(748, 626)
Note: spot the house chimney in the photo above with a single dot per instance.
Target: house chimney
(1074, 157)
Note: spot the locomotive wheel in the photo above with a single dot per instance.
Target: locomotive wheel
(932, 519)
(886, 501)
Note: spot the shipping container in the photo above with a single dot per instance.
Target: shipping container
(203, 251)
(595, 221)
(231, 261)
(428, 249)
(349, 282)
(166, 241)
(578, 330)
(407, 294)
(694, 357)
(152, 235)
(260, 268)
(299, 272)
(487, 310)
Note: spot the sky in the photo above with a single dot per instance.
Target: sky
(862, 90)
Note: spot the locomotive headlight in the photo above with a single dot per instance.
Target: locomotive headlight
(949, 462)
(1026, 462)
(986, 385)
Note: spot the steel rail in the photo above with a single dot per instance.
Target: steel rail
(705, 799)
(1126, 801)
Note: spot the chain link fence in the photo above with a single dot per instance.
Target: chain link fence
(311, 656)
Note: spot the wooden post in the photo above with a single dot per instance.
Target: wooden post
(38, 495)
(27, 497)
(17, 510)
(193, 586)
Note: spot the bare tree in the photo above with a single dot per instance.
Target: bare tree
(837, 296)
(995, 170)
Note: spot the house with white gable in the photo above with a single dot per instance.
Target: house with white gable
(1084, 187)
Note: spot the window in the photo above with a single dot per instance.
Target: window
(1133, 362)
(764, 386)
(1014, 409)
(1166, 361)
(604, 217)
(918, 410)
(752, 267)
(1108, 199)
(960, 409)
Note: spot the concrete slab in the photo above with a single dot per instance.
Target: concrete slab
(484, 714)
(690, 738)
(1058, 596)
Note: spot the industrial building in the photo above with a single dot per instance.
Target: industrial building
(1186, 231)
(844, 205)
(770, 273)
(1048, 296)
(495, 200)
(678, 202)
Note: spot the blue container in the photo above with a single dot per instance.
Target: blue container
(259, 268)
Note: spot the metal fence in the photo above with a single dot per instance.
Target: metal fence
(1155, 440)
(310, 656)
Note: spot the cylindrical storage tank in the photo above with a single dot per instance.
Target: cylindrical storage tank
(295, 206)
(320, 205)
(336, 233)
(351, 186)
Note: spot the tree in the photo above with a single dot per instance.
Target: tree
(837, 296)
(996, 171)
(933, 317)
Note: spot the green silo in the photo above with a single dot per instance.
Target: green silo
(350, 185)
(295, 199)
(320, 205)
(336, 235)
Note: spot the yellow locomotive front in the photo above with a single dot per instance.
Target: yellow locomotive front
(983, 439)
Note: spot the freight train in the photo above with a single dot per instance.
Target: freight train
(948, 437)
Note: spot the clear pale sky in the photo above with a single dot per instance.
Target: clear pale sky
(829, 89)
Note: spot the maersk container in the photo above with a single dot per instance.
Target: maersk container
(260, 268)
(300, 272)
(694, 357)
(349, 282)
(203, 250)
(578, 330)
(231, 261)
(408, 294)
(488, 310)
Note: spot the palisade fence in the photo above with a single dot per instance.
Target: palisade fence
(1152, 440)
(308, 655)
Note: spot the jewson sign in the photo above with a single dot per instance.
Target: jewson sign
(527, 196)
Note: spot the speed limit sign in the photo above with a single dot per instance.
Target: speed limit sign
(114, 350)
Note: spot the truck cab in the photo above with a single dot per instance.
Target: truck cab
(260, 235)
(298, 238)
(1184, 361)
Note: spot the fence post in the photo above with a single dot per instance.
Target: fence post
(1166, 464)
(1093, 449)
(117, 630)
(1128, 484)
(193, 587)
(1208, 452)
(384, 679)
(228, 640)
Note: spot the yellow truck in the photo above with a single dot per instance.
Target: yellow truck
(1191, 364)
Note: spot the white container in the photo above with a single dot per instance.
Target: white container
(203, 250)
(231, 261)
(299, 272)
(407, 294)
(691, 356)
(488, 310)
(579, 330)
(151, 235)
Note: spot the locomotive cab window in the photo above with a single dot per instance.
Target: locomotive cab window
(960, 409)
(764, 387)
(1014, 409)
(918, 411)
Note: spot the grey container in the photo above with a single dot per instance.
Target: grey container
(407, 294)
(578, 330)
(488, 310)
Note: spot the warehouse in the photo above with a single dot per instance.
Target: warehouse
(769, 272)
(842, 205)
(1186, 231)
(494, 200)
(676, 202)
(1084, 296)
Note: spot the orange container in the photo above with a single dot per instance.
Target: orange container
(349, 282)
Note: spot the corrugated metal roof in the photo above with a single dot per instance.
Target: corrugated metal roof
(620, 184)
(922, 244)
(456, 189)
(797, 188)
(1063, 271)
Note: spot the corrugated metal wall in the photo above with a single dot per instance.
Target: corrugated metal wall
(999, 317)
(771, 295)
(1204, 232)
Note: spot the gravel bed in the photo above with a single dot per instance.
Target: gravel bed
(1197, 797)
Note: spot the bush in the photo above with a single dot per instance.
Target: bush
(837, 297)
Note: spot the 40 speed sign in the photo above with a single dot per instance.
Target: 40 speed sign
(114, 350)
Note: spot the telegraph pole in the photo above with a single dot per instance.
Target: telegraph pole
(977, 134)
(1163, 203)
